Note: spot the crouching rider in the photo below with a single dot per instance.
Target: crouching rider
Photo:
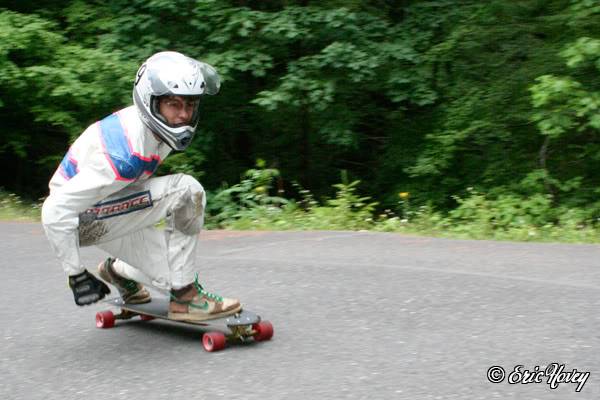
(103, 194)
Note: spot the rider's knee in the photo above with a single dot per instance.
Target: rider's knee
(189, 217)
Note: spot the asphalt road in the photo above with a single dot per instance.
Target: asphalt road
(357, 315)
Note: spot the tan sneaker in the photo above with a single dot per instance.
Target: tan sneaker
(131, 291)
(193, 303)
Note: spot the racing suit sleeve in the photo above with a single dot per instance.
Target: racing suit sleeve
(60, 212)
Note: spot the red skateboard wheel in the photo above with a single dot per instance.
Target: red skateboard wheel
(264, 331)
(145, 317)
(213, 341)
(105, 319)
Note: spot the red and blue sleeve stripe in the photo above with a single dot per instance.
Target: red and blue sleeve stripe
(126, 164)
(68, 166)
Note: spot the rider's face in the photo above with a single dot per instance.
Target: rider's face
(177, 110)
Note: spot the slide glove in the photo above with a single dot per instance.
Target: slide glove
(87, 289)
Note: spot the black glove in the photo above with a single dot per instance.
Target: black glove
(87, 289)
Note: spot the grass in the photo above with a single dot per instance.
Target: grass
(427, 225)
(13, 208)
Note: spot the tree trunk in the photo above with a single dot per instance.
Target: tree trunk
(305, 147)
(542, 156)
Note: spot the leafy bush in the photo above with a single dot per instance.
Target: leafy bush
(248, 205)
(504, 216)
(242, 200)
(515, 217)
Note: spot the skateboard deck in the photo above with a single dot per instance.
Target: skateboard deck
(240, 327)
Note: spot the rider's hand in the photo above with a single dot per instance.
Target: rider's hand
(87, 289)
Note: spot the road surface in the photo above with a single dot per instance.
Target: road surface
(357, 315)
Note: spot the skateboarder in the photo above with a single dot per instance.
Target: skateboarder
(103, 194)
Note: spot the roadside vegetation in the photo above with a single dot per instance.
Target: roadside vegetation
(13, 208)
(255, 204)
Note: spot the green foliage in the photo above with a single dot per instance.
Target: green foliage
(346, 211)
(247, 205)
(557, 96)
(512, 217)
(478, 215)
(568, 114)
(425, 97)
(344, 64)
(504, 213)
(57, 83)
(243, 199)
(183, 163)
(50, 90)
(13, 208)
(563, 95)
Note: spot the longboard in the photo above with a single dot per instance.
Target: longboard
(240, 327)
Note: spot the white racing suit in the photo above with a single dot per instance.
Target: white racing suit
(102, 194)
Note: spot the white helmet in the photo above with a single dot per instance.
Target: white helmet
(171, 73)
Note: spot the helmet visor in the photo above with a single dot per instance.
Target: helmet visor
(211, 79)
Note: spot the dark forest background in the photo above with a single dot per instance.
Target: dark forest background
(441, 100)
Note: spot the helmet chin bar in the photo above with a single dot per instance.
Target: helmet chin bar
(177, 144)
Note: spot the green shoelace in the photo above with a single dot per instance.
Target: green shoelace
(130, 286)
(201, 292)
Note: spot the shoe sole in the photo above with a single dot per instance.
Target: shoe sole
(187, 317)
(142, 300)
